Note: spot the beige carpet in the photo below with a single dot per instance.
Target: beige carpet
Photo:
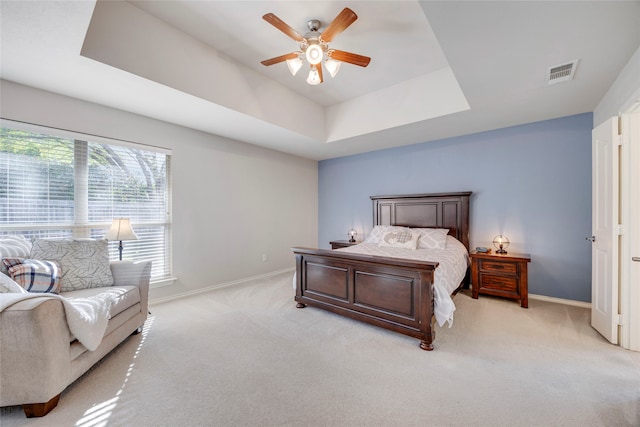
(245, 356)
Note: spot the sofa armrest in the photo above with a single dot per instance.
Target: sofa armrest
(34, 351)
(136, 273)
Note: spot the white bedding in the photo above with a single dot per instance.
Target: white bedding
(453, 262)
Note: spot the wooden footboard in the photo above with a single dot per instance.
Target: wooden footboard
(386, 292)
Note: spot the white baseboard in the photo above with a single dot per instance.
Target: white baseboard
(561, 301)
(287, 270)
(218, 286)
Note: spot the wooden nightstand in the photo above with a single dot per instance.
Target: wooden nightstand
(336, 244)
(501, 275)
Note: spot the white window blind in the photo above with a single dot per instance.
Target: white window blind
(53, 186)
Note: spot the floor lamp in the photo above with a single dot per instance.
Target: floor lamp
(121, 230)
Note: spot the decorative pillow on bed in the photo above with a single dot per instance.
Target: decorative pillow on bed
(378, 232)
(34, 275)
(15, 246)
(84, 262)
(400, 239)
(432, 238)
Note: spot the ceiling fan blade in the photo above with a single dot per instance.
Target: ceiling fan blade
(319, 68)
(351, 58)
(282, 26)
(278, 59)
(339, 24)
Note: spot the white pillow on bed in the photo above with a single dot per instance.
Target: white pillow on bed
(375, 237)
(407, 239)
(432, 238)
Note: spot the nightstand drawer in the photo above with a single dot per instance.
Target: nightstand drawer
(499, 283)
(499, 266)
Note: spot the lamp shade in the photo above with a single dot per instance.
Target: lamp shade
(294, 65)
(501, 242)
(332, 66)
(121, 230)
(314, 77)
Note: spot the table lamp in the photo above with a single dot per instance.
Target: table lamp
(121, 230)
(501, 243)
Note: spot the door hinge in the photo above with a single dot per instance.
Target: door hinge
(620, 322)
(619, 141)
(619, 229)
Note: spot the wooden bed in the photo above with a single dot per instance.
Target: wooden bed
(392, 293)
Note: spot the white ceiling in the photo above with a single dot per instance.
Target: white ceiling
(438, 69)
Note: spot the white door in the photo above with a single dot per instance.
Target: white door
(605, 229)
(630, 255)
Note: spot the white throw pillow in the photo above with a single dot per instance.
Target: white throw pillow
(400, 239)
(84, 262)
(375, 237)
(432, 238)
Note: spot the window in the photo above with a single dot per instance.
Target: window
(58, 184)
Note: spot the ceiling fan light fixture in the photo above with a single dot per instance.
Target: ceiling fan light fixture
(294, 65)
(332, 66)
(314, 47)
(314, 78)
(314, 54)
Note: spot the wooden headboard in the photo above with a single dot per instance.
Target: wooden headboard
(437, 210)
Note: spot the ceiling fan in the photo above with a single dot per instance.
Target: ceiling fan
(314, 46)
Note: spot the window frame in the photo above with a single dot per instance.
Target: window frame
(82, 227)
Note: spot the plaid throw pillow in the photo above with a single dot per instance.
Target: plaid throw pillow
(13, 246)
(34, 275)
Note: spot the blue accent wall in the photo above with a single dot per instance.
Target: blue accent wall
(531, 183)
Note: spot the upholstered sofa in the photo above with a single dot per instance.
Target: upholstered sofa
(39, 353)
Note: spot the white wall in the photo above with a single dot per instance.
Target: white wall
(624, 92)
(232, 201)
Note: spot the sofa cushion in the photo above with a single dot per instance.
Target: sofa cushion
(16, 246)
(34, 275)
(84, 262)
(123, 296)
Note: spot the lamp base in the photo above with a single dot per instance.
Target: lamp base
(501, 251)
(352, 240)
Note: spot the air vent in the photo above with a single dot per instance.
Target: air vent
(561, 73)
